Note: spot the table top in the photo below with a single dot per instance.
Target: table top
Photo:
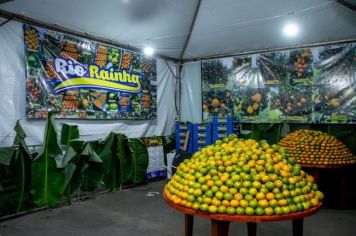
(243, 218)
(327, 166)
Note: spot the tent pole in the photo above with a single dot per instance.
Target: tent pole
(176, 93)
(6, 21)
(170, 69)
(222, 55)
(5, 1)
(347, 4)
(55, 27)
(197, 7)
(179, 93)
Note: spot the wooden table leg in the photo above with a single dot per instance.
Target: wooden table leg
(219, 228)
(188, 224)
(316, 175)
(343, 191)
(251, 229)
(298, 227)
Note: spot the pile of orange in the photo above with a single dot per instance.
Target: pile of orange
(243, 177)
(316, 148)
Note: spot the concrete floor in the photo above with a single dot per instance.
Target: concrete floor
(131, 213)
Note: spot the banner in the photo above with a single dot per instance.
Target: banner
(308, 85)
(83, 79)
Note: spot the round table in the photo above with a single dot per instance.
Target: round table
(315, 172)
(220, 222)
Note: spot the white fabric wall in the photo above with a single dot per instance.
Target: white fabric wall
(191, 94)
(13, 91)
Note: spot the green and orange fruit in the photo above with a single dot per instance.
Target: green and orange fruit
(243, 177)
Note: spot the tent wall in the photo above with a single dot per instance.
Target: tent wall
(191, 94)
(13, 98)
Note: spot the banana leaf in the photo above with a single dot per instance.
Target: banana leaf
(15, 174)
(111, 164)
(20, 133)
(20, 139)
(83, 168)
(126, 164)
(23, 162)
(69, 133)
(70, 183)
(14, 181)
(139, 155)
(7, 183)
(94, 170)
(6, 155)
(23, 171)
(47, 184)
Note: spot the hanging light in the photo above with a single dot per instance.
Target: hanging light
(291, 30)
(148, 51)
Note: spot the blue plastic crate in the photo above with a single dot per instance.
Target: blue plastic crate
(223, 127)
(181, 132)
(202, 135)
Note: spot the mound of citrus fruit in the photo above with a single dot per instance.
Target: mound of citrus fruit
(316, 147)
(244, 177)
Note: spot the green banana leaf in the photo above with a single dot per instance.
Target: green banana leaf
(111, 164)
(20, 139)
(23, 160)
(6, 155)
(69, 133)
(23, 171)
(20, 133)
(126, 164)
(70, 183)
(83, 168)
(15, 174)
(94, 170)
(47, 184)
(139, 155)
(7, 184)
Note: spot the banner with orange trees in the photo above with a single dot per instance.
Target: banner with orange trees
(307, 85)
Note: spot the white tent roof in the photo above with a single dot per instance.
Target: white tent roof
(224, 26)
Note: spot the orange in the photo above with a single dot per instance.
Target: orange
(234, 203)
(244, 203)
(225, 203)
(210, 183)
(282, 202)
(269, 196)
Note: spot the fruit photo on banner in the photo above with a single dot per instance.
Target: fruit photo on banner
(81, 79)
(217, 97)
(249, 90)
(218, 103)
(214, 74)
(249, 102)
(334, 92)
(241, 68)
(294, 102)
(274, 67)
(301, 65)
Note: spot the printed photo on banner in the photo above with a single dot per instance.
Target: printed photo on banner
(306, 85)
(82, 79)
